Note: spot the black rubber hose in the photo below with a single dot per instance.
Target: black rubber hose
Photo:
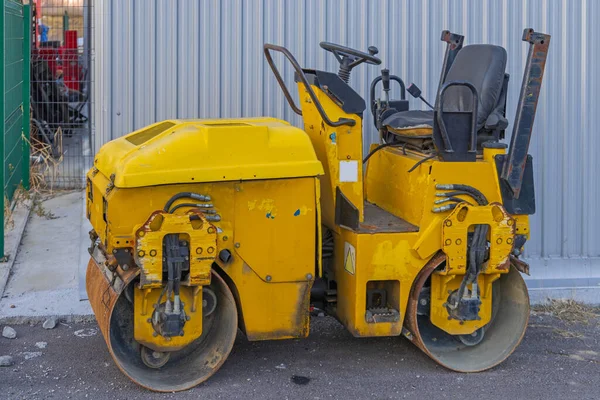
(177, 278)
(475, 193)
(172, 246)
(180, 205)
(471, 273)
(459, 193)
(474, 253)
(456, 193)
(162, 293)
(481, 246)
(458, 200)
(477, 245)
(189, 195)
(381, 146)
(421, 162)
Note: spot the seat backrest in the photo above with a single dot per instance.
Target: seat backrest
(483, 65)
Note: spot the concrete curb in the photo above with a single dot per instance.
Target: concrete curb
(12, 240)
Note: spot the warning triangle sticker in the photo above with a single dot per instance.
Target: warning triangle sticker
(349, 259)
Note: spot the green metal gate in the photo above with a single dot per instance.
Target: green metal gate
(15, 33)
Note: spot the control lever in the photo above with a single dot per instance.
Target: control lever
(385, 81)
(416, 93)
(383, 107)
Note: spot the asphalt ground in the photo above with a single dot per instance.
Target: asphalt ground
(555, 360)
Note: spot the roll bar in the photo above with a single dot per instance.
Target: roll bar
(267, 47)
(516, 160)
(454, 45)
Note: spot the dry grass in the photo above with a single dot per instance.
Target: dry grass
(44, 166)
(43, 174)
(569, 311)
(9, 221)
(43, 170)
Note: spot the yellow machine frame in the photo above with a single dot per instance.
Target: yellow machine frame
(280, 217)
(399, 257)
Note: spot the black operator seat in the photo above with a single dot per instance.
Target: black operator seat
(482, 65)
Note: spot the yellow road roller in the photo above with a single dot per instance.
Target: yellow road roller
(204, 227)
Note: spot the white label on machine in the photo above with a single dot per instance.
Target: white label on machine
(348, 171)
(349, 258)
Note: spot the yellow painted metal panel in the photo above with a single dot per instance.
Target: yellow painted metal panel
(339, 149)
(269, 310)
(411, 195)
(189, 151)
(127, 208)
(276, 228)
(319, 228)
(377, 257)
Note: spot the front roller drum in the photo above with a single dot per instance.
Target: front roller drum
(183, 369)
(510, 314)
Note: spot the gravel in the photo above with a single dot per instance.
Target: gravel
(50, 323)
(28, 355)
(328, 364)
(9, 332)
(6, 361)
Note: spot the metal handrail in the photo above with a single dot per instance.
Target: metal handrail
(440, 111)
(302, 77)
(379, 79)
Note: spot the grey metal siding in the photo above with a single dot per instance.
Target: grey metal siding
(158, 59)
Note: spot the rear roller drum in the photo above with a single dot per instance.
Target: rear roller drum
(488, 346)
(166, 371)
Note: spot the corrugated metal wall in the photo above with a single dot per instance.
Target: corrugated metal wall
(158, 59)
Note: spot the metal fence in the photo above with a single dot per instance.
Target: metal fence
(61, 90)
(14, 102)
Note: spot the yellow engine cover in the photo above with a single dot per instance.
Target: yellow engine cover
(188, 151)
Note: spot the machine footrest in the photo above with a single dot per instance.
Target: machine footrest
(382, 314)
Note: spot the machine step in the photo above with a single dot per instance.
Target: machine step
(382, 314)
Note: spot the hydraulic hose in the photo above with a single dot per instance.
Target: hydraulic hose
(381, 146)
(421, 162)
(454, 193)
(194, 205)
(475, 193)
(174, 264)
(189, 195)
(173, 269)
(477, 245)
(453, 199)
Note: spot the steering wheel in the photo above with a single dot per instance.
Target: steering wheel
(350, 58)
